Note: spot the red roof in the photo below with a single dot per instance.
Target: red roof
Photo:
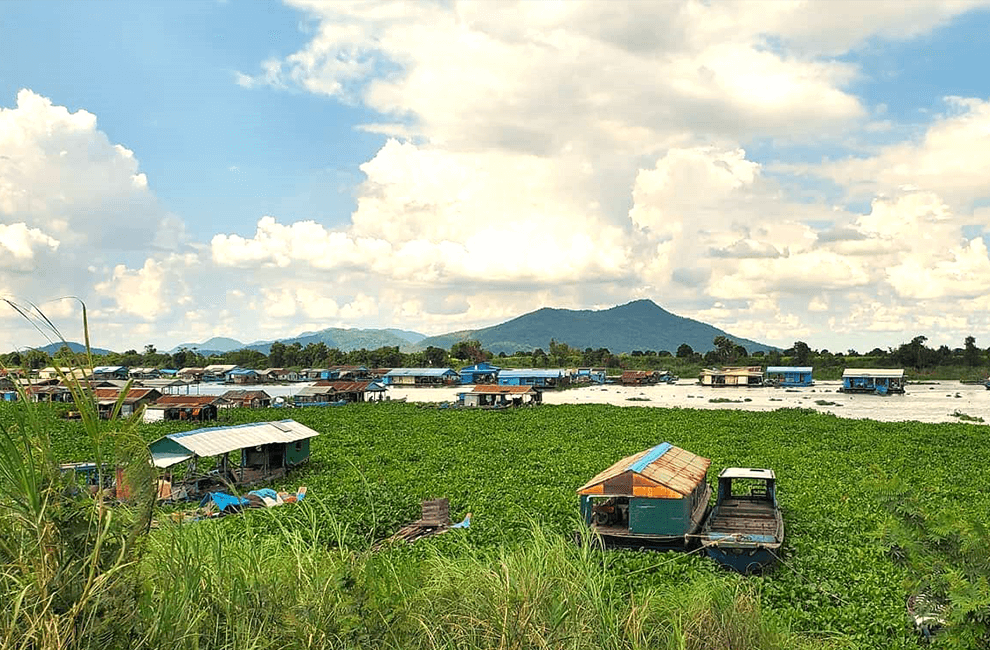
(188, 400)
(345, 386)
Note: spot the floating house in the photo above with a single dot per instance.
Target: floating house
(534, 377)
(340, 392)
(252, 399)
(191, 373)
(645, 377)
(790, 376)
(744, 376)
(242, 376)
(421, 377)
(589, 375)
(347, 373)
(184, 407)
(106, 400)
(48, 394)
(217, 372)
(881, 381)
(145, 373)
(657, 497)
(480, 373)
(111, 372)
(491, 396)
(266, 449)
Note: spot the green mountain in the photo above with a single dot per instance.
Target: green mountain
(218, 344)
(334, 337)
(638, 325)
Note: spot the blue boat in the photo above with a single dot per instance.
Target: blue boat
(745, 529)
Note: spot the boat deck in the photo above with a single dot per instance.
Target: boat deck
(745, 516)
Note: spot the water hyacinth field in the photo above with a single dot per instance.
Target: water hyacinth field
(304, 575)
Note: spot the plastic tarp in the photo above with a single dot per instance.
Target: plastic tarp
(223, 500)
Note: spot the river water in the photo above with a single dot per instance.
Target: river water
(927, 402)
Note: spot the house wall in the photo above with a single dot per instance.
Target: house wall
(659, 516)
(296, 452)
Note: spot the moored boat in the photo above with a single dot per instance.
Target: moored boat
(745, 529)
(655, 499)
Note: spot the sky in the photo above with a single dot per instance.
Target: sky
(815, 171)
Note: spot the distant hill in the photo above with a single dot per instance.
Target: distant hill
(638, 325)
(334, 337)
(52, 348)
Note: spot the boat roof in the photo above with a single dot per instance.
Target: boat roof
(747, 472)
(790, 368)
(873, 372)
(664, 471)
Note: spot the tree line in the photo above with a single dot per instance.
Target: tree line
(914, 354)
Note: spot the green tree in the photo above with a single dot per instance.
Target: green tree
(971, 353)
(685, 351)
(469, 350)
(435, 357)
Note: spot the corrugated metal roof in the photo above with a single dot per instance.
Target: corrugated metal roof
(350, 386)
(789, 369)
(420, 372)
(532, 372)
(187, 400)
(243, 371)
(106, 369)
(873, 372)
(661, 471)
(220, 440)
(490, 389)
(133, 395)
(220, 367)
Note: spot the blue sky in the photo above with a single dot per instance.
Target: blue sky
(783, 171)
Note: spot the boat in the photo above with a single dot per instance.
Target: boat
(655, 499)
(745, 529)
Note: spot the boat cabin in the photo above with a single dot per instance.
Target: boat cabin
(746, 528)
(487, 395)
(657, 497)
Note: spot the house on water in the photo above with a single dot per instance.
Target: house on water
(184, 407)
(111, 372)
(352, 391)
(217, 372)
(480, 373)
(654, 498)
(589, 375)
(252, 399)
(421, 377)
(106, 400)
(790, 376)
(554, 378)
(265, 449)
(489, 395)
(881, 381)
(242, 376)
(742, 376)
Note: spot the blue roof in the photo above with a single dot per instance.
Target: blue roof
(789, 369)
(531, 372)
(650, 456)
(484, 366)
(242, 371)
(420, 372)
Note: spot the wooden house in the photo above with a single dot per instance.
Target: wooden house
(494, 396)
(554, 378)
(657, 497)
(421, 377)
(480, 373)
(184, 407)
(217, 372)
(191, 374)
(241, 376)
(111, 372)
(255, 399)
(265, 450)
(739, 377)
(790, 376)
(135, 398)
(881, 381)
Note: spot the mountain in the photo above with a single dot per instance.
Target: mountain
(218, 344)
(334, 337)
(638, 325)
(52, 348)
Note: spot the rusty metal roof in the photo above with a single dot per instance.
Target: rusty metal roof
(220, 440)
(348, 386)
(491, 389)
(191, 401)
(663, 471)
(133, 395)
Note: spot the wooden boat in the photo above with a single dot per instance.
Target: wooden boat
(656, 499)
(745, 529)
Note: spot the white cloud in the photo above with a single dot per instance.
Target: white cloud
(19, 245)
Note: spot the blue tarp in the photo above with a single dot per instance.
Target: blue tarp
(223, 500)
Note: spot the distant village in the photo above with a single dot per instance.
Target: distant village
(174, 394)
